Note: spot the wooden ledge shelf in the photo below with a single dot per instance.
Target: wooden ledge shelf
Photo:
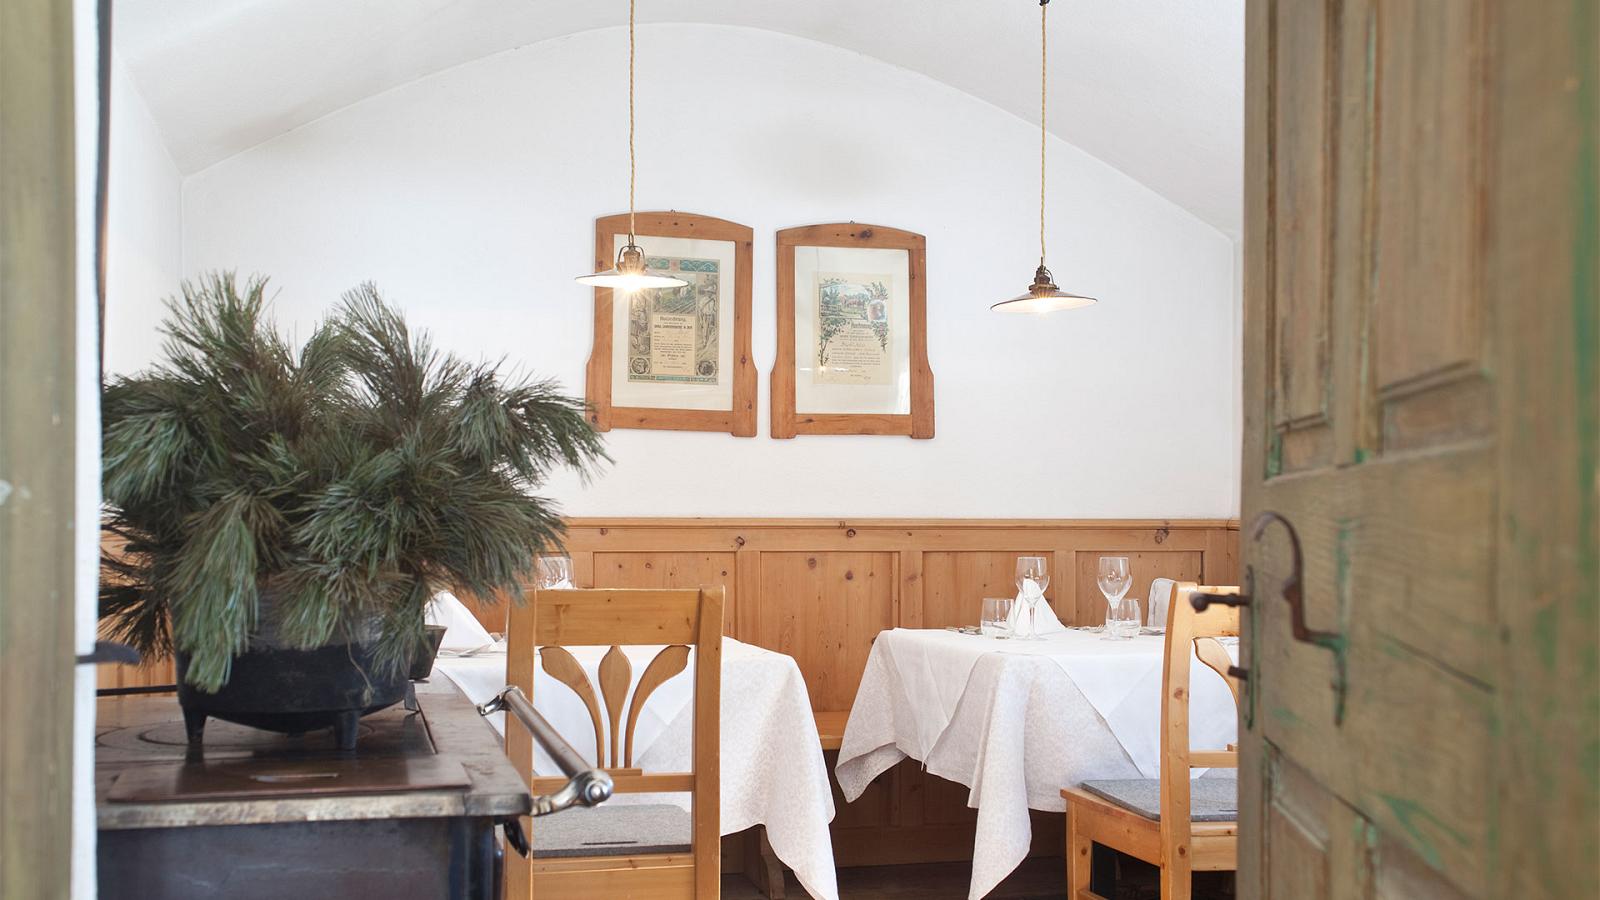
(830, 726)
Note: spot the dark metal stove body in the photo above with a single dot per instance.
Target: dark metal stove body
(258, 814)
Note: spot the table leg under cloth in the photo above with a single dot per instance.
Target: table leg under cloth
(999, 742)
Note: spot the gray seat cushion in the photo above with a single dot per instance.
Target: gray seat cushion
(610, 830)
(1211, 799)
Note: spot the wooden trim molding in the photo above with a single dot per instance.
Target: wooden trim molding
(786, 422)
(740, 420)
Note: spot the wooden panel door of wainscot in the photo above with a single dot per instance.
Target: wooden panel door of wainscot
(1422, 390)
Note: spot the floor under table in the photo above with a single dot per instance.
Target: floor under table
(1036, 879)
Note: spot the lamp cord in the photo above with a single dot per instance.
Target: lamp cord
(631, 175)
(1044, 8)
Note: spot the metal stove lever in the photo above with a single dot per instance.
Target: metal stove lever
(586, 785)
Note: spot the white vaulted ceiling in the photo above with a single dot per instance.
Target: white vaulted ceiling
(1152, 87)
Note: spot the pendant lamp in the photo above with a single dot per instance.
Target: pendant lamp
(1042, 296)
(630, 273)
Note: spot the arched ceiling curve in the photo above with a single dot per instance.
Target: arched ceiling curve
(1152, 87)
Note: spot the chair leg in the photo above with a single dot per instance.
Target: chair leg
(1080, 854)
(767, 870)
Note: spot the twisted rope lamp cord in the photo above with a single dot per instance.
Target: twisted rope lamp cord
(631, 176)
(1044, 9)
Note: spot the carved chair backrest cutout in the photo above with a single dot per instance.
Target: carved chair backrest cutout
(616, 674)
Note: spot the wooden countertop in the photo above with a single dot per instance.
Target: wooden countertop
(445, 761)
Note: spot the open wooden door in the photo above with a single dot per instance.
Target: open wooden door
(1422, 407)
(37, 426)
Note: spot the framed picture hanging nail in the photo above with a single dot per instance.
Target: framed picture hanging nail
(675, 358)
(852, 333)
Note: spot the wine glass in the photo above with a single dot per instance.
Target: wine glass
(1033, 576)
(1114, 581)
(554, 572)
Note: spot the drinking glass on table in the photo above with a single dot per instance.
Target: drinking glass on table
(1114, 580)
(996, 621)
(1128, 624)
(554, 572)
(1033, 576)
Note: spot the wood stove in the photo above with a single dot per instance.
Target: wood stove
(258, 814)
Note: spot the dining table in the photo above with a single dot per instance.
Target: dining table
(772, 769)
(1015, 721)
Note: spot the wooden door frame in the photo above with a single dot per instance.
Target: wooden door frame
(37, 462)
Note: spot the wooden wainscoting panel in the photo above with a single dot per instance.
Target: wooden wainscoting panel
(673, 570)
(820, 590)
(954, 583)
(1144, 566)
(824, 609)
(155, 672)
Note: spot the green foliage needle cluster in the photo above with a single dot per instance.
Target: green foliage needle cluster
(352, 478)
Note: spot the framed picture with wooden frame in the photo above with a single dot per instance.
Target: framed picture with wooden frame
(675, 358)
(852, 333)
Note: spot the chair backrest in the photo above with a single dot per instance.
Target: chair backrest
(556, 619)
(1190, 634)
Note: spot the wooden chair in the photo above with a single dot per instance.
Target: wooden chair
(613, 851)
(1179, 825)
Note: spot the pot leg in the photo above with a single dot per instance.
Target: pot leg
(345, 729)
(194, 726)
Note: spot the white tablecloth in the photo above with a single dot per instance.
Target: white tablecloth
(772, 768)
(1016, 722)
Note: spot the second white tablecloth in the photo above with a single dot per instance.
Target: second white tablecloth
(1008, 721)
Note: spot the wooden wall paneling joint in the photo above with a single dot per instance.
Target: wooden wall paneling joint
(583, 568)
(1063, 593)
(738, 420)
(908, 606)
(747, 609)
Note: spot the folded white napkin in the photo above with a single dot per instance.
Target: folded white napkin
(1045, 617)
(462, 629)
(1160, 596)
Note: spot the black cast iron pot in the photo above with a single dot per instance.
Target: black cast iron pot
(293, 691)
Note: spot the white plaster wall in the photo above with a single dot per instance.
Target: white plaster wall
(469, 197)
(144, 249)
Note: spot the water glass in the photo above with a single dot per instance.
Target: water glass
(554, 572)
(1132, 622)
(996, 621)
(1122, 620)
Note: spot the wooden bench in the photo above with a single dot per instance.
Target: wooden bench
(830, 726)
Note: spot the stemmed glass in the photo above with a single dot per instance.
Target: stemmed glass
(554, 572)
(1033, 576)
(1114, 581)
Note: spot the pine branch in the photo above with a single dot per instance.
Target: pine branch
(354, 475)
